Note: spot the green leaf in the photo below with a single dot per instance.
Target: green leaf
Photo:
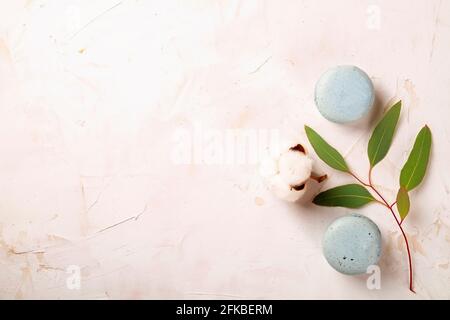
(348, 196)
(382, 135)
(415, 167)
(327, 153)
(403, 202)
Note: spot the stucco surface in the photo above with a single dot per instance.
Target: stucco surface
(95, 97)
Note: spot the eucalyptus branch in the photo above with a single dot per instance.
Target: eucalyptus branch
(356, 195)
(385, 204)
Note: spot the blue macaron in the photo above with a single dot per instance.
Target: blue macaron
(351, 244)
(344, 94)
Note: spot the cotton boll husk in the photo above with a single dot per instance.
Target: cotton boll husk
(294, 167)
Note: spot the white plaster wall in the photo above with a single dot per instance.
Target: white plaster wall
(92, 94)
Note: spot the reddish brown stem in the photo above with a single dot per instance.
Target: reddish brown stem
(359, 180)
(399, 223)
(407, 249)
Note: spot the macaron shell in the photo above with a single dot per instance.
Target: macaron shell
(344, 94)
(351, 244)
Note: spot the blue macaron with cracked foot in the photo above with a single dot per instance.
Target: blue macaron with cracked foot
(351, 244)
(344, 94)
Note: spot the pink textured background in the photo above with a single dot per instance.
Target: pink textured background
(91, 93)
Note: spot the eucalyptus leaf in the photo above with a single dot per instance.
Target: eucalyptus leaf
(403, 202)
(415, 167)
(326, 152)
(348, 196)
(382, 135)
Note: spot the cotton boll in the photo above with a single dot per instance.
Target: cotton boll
(294, 167)
(284, 191)
(288, 173)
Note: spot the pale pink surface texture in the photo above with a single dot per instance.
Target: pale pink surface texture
(96, 95)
